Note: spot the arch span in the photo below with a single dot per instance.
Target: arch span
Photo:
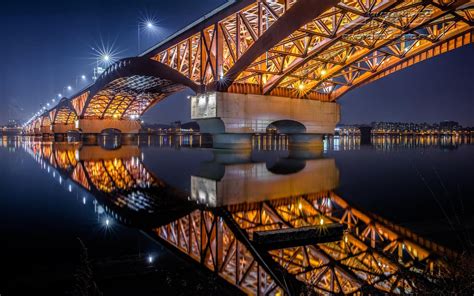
(130, 87)
(288, 126)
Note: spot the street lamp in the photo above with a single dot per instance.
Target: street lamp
(65, 89)
(146, 24)
(83, 78)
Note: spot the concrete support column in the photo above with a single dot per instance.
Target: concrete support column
(305, 141)
(97, 126)
(232, 118)
(63, 128)
(232, 141)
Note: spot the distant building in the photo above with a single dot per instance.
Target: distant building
(410, 128)
(448, 125)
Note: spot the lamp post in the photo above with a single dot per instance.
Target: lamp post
(148, 25)
(66, 89)
(82, 78)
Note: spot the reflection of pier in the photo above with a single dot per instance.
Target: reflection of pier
(372, 256)
(234, 184)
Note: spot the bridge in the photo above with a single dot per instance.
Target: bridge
(256, 63)
(216, 227)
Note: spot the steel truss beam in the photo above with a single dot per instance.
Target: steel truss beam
(310, 50)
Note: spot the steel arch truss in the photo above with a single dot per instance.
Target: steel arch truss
(44, 121)
(128, 88)
(248, 48)
(64, 113)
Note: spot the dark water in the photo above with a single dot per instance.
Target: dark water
(47, 203)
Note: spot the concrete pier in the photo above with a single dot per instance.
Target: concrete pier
(97, 126)
(233, 118)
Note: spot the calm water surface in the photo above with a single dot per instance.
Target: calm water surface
(118, 199)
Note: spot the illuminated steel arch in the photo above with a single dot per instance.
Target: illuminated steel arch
(64, 113)
(128, 88)
(37, 123)
(313, 49)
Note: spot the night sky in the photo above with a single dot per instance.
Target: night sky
(47, 45)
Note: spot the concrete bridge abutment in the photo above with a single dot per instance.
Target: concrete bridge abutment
(232, 119)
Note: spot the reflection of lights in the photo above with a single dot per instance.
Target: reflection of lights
(300, 206)
(150, 259)
(107, 222)
(321, 221)
(84, 200)
(70, 188)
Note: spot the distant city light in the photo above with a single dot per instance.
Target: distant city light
(60, 95)
(69, 87)
(107, 222)
(149, 24)
(150, 259)
(83, 77)
(106, 58)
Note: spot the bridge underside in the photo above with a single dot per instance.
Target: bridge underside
(313, 49)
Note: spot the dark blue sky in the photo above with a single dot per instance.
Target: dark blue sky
(45, 45)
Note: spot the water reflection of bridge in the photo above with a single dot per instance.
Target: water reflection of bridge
(372, 256)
